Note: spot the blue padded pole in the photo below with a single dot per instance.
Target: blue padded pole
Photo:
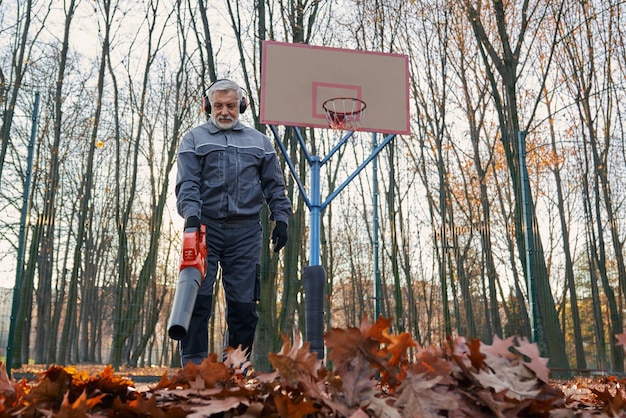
(314, 250)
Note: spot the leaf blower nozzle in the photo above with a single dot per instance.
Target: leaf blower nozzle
(190, 277)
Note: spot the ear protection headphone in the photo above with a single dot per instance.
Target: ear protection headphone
(206, 103)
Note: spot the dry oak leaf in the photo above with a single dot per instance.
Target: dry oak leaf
(357, 383)
(6, 384)
(237, 360)
(457, 350)
(497, 357)
(476, 357)
(343, 345)
(517, 380)
(290, 407)
(377, 330)
(210, 371)
(368, 341)
(215, 406)
(430, 363)
(295, 363)
(108, 382)
(142, 407)
(80, 407)
(398, 346)
(548, 400)
(500, 348)
(51, 388)
(418, 397)
(382, 407)
(537, 363)
(10, 390)
(613, 405)
(496, 402)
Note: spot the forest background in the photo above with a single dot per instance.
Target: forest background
(120, 83)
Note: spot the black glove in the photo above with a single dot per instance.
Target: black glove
(192, 222)
(279, 236)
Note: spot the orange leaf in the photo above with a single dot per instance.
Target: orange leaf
(287, 408)
(376, 331)
(476, 357)
(210, 371)
(398, 346)
(80, 407)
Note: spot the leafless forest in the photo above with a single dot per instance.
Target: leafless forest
(89, 235)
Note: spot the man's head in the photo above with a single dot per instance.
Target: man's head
(224, 102)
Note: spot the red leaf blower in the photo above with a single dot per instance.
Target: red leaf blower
(190, 277)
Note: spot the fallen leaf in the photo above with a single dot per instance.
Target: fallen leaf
(537, 363)
(417, 397)
(293, 408)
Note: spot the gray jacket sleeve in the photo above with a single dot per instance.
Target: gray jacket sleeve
(188, 179)
(273, 185)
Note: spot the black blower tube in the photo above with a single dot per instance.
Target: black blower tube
(314, 282)
(189, 280)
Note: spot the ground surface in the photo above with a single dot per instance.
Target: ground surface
(372, 375)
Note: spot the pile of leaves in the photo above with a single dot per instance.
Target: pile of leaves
(371, 376)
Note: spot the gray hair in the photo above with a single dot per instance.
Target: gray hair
(224, 85)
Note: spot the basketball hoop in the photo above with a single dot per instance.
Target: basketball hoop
(344, 113)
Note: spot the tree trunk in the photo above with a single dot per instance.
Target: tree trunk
(504, 91)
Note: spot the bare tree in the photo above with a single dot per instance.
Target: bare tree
(22, 53)
(501, 57)
(130, 293)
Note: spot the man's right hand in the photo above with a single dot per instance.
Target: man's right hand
(192, 222)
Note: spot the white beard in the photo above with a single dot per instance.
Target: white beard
(224, 124)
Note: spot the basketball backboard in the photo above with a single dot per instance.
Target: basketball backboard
(296, 79)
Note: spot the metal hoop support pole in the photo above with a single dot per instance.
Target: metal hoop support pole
(316, 206)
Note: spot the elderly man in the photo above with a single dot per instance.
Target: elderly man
(226, 172)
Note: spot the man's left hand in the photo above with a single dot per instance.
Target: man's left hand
(279, 236)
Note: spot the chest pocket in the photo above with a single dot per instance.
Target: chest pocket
(249, 160)
(213, 161)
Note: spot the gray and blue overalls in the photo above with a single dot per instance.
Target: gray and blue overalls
(224, 177)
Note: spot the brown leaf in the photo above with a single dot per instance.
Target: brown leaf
(497, 402)
(476, 357)
(357, 382)
(215, 406)
(52, 387)
(139, 407)
(537, 364)
(416, 395)
(430, 363)
(611, 404)
(80, 407)
(297, 363)
(368, 341)
(343, 345)
(210, 371)
(517, 380)
(293, 408)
